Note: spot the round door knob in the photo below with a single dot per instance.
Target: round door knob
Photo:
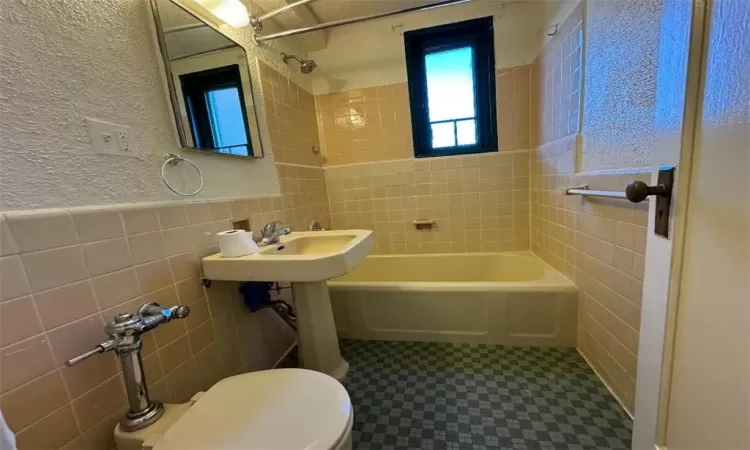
(638, 191)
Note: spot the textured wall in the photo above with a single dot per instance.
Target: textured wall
(67, 60)
(622, 43)
(371, 54)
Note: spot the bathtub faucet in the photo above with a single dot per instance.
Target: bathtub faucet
(272, 233)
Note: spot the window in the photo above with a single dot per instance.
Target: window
(451, 72)
(216, 110)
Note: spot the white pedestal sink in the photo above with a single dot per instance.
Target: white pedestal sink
(307, 260)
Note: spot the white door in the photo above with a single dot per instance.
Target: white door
(709, 400)
(692, 390)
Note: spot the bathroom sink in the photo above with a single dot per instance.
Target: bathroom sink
(307, 260)
(300, 256)
(310, 245)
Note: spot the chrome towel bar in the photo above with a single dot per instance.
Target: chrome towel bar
(636, 191)
(585, 191)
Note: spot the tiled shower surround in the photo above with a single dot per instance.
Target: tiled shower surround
(479, 203)
(365, 125)
(556, 80)
(289, 113)
(374, 124)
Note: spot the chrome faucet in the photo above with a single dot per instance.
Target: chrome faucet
(272, 232)
(316, 226)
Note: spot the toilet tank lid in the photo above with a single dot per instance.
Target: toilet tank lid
(283, 409)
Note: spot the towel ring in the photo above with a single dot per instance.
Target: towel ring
(172, 160)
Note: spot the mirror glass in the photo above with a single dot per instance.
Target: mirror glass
(209, 82)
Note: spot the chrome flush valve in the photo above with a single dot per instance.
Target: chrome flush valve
(124, 337)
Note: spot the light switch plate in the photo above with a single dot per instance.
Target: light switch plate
(110, 138)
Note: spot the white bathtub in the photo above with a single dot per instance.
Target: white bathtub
(482, 298)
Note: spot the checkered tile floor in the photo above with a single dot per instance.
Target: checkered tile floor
(412, 395)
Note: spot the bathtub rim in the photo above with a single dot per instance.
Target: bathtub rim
(551, 281)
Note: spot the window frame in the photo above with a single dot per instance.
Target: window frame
(477, 33)
(195, 85)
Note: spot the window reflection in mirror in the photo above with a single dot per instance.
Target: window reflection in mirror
(211, 86)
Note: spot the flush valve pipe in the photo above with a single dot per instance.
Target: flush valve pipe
(124, 338)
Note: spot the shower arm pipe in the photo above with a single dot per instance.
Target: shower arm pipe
(337, 23)
(287, 56)
(257, 22)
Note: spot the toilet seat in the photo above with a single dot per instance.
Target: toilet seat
(282, 409)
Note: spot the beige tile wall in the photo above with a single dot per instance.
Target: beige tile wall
(556, 76)
(365, 125)
(479, 203)
(65, 273)
(514, 114)
(293, 132)
(600, 244)
(374, 124)
(304, 196)
(290, 115)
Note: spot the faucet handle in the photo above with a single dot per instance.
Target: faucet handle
(271, 227)
(180, 312)
(101, 348)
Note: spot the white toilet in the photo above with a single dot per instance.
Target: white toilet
(282, 409)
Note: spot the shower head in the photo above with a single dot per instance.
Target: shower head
(306, 65)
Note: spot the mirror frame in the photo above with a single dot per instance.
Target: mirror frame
(166, 72)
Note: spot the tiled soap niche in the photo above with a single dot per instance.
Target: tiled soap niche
(65, 273)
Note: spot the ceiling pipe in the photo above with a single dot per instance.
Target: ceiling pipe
(257, 22)
(337, 23)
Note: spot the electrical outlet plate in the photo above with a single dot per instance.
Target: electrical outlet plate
(110, 138)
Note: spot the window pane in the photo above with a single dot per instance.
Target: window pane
(227, 122)
(467, 132)
(450, 84)
(443, 135)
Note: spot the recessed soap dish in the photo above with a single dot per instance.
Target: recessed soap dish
(424, 225)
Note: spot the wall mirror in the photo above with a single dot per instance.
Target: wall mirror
(209, 84)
